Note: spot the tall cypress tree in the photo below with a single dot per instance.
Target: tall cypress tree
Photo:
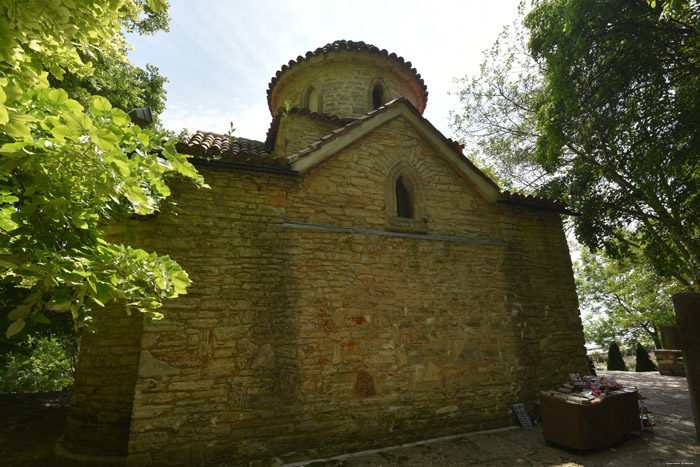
(644, 363)
(615, 361)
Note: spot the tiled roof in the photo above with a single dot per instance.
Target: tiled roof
(208, 146)
(215, 146)
(350, 46)
(535, 201)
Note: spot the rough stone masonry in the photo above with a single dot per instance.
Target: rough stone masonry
(321, 319)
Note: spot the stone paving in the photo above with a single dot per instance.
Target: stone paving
(31, 426)
(672, 441)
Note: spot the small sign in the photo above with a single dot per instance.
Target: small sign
(523, 416)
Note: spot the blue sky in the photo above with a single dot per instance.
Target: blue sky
(220, 55)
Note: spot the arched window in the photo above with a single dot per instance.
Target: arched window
(377, 97)
(311, 97)
(403, 200)
(377, 94)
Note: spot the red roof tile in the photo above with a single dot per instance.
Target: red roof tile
(214, 146)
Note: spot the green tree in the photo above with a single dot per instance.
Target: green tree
(643, 362)
(70, 171)
(608, 106)
(615, 360)
(623, 299)
(43, 368)
(124, 85)
(497, 122)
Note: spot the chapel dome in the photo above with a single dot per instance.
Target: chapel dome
(347, 79)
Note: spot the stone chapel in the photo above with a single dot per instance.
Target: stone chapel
(357, 283)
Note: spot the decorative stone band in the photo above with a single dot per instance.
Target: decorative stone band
(440, 238)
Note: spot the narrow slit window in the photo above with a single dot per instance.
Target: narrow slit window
(403, 200)
(377, 97)
(312, 99)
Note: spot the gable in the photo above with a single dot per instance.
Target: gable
(354, 187)
(341, 138)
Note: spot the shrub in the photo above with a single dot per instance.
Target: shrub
(644, 363)
(615, 361)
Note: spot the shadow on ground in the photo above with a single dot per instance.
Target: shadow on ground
(32, 424)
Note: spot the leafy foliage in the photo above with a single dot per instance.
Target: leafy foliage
(643, 362)
(623, 299)
(124, 85)
(70, 171)
(606, 106)
(615, 360)
(42, 367)
(498, 122)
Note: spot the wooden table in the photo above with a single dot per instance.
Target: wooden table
(602, 422)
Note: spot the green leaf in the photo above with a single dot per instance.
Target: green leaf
(17, 125)
(74, 105)
(99, 105)
(62, 306)
(104, 292)
(119, 117)
(144, 137)
(13, 93)
(40, 318)
(79, 222)
(57, 96)
(20, 312)
(77, 121)
(136, 194)
(14, 328)
(122, 167)
(105, 139)
(61, 132)
(158, 6)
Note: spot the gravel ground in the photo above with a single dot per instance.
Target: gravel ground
(32, 423)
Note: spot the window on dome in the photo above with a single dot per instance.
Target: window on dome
(378, 98)
(311, 97)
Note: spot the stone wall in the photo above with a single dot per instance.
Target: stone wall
(298, 342)
(670, 362)
(102, 397)
(300, 131)
(311, 328)
(101, 405)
